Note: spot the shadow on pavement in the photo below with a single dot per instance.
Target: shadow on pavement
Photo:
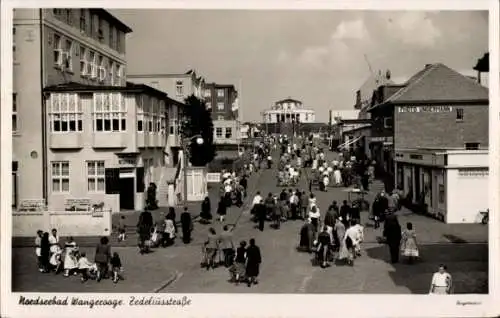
(467, 263)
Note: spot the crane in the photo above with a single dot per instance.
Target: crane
(368, 62)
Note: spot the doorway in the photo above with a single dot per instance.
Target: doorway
(127, 194)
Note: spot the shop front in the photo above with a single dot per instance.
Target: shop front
(436, 183)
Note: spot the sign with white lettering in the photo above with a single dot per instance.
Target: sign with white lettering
(425, 109)
(127, 162)
(77, 204)
(381, 139)
(213, 177)
(473, 172)
(32, 205)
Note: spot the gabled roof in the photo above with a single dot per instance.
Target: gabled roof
(438, 83)
(373, 82)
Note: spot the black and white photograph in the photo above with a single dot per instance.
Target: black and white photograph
(160, 154)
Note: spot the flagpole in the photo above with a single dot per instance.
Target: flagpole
(239, 114)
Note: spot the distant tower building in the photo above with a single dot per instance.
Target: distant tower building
(287, 111)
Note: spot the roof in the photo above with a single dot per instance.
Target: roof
(372, 82)
(438, 83)
(109, 17)
(355, 121)
(220, 85)
(158, 75)
(288, 100)
(129, 88)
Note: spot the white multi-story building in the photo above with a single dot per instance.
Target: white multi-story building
(287, 111)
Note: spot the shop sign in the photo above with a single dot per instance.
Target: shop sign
(381, 139)
(425, 109)
(77, 204)
(213, 177)
(127, 161)
(473, 172)
(32, 205)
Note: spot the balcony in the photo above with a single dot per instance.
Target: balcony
(66, 140)
(110, 140)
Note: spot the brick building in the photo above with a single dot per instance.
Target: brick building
(423, 129)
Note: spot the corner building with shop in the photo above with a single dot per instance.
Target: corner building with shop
(434, 129)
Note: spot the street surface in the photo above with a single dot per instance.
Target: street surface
(176, 269)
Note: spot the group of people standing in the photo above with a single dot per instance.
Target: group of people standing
(53, 258)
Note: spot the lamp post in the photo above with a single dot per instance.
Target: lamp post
(185, 143)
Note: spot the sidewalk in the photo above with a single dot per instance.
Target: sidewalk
(429, 230)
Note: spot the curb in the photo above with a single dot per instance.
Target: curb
(177, 275)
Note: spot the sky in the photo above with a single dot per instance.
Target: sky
(317, 57)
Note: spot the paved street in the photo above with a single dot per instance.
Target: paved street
(284, 270)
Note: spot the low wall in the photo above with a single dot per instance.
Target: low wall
(67, 223)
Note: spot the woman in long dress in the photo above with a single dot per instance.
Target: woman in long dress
(409, 246)
(337, 176)
(70, 261)
(340, 233)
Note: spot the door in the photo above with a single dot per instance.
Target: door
(127, 194)
(416, 178)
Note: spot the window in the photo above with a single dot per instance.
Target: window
(441, 193)
(472, 146)
(14, 55)
(58, 58)
(218, 132)
(14, 113)
(111, 39)
(220, 93)
(112, 73)
(208, 93)
(66, 113)
(220, 106)
(460, 114)
(229, 132)
(208, 104)
(119, 41)
(110, 113)
(83, 21)
(388, 122)
(93, 65)
(163, 118)
(100, 32)
(93, 18)
(84, 63)
(120, 74)
(179, 88)
(95, 176)
(68, 55)
(220, 117)
(102, 69)
(60, 176)
(69, 16)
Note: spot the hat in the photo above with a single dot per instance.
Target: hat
(340, 218)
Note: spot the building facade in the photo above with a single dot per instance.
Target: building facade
(288, 111)
(85, 46)
(111, 137)
(222, 100)
(437, 115)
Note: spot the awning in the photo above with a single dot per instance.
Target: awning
(349, 142)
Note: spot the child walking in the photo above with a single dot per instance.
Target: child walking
(84, 266)
(121, 229)
(116, 266)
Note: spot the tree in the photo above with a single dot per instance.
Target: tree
(198, 121)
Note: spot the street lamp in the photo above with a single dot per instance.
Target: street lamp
(185, 143)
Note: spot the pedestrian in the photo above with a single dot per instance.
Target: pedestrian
(335, 209)
(270, 205)
(222, 209)
(294, 205)
(339, 231)
(211, 247)
(121, 228)
(360, 236)
(116, 266)
(315, 215)
(84, 266)
(186, 225)
(324, 241)
(70, 257)
(54, 241)
(206, 211)
(278, 214)
(261, 215)
(227, 246)
(441, 283)
(102, 257)
(409, 247)
(312, 200)
(306, 237)
(171, 215)
(38, 249)
(355, 211)
(345, 213)
(144, 225)
(168, 232)
(352, 241)
(240, 259)
(244, 184)
(304, 201)
(255, 202)
(45, 252)
(392, 233)
(254, 259)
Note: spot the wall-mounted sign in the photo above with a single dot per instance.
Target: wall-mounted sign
(32, 205)
(473, 172)
(381, 139)
(127, 161)
(425, 109)
(416, 157)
